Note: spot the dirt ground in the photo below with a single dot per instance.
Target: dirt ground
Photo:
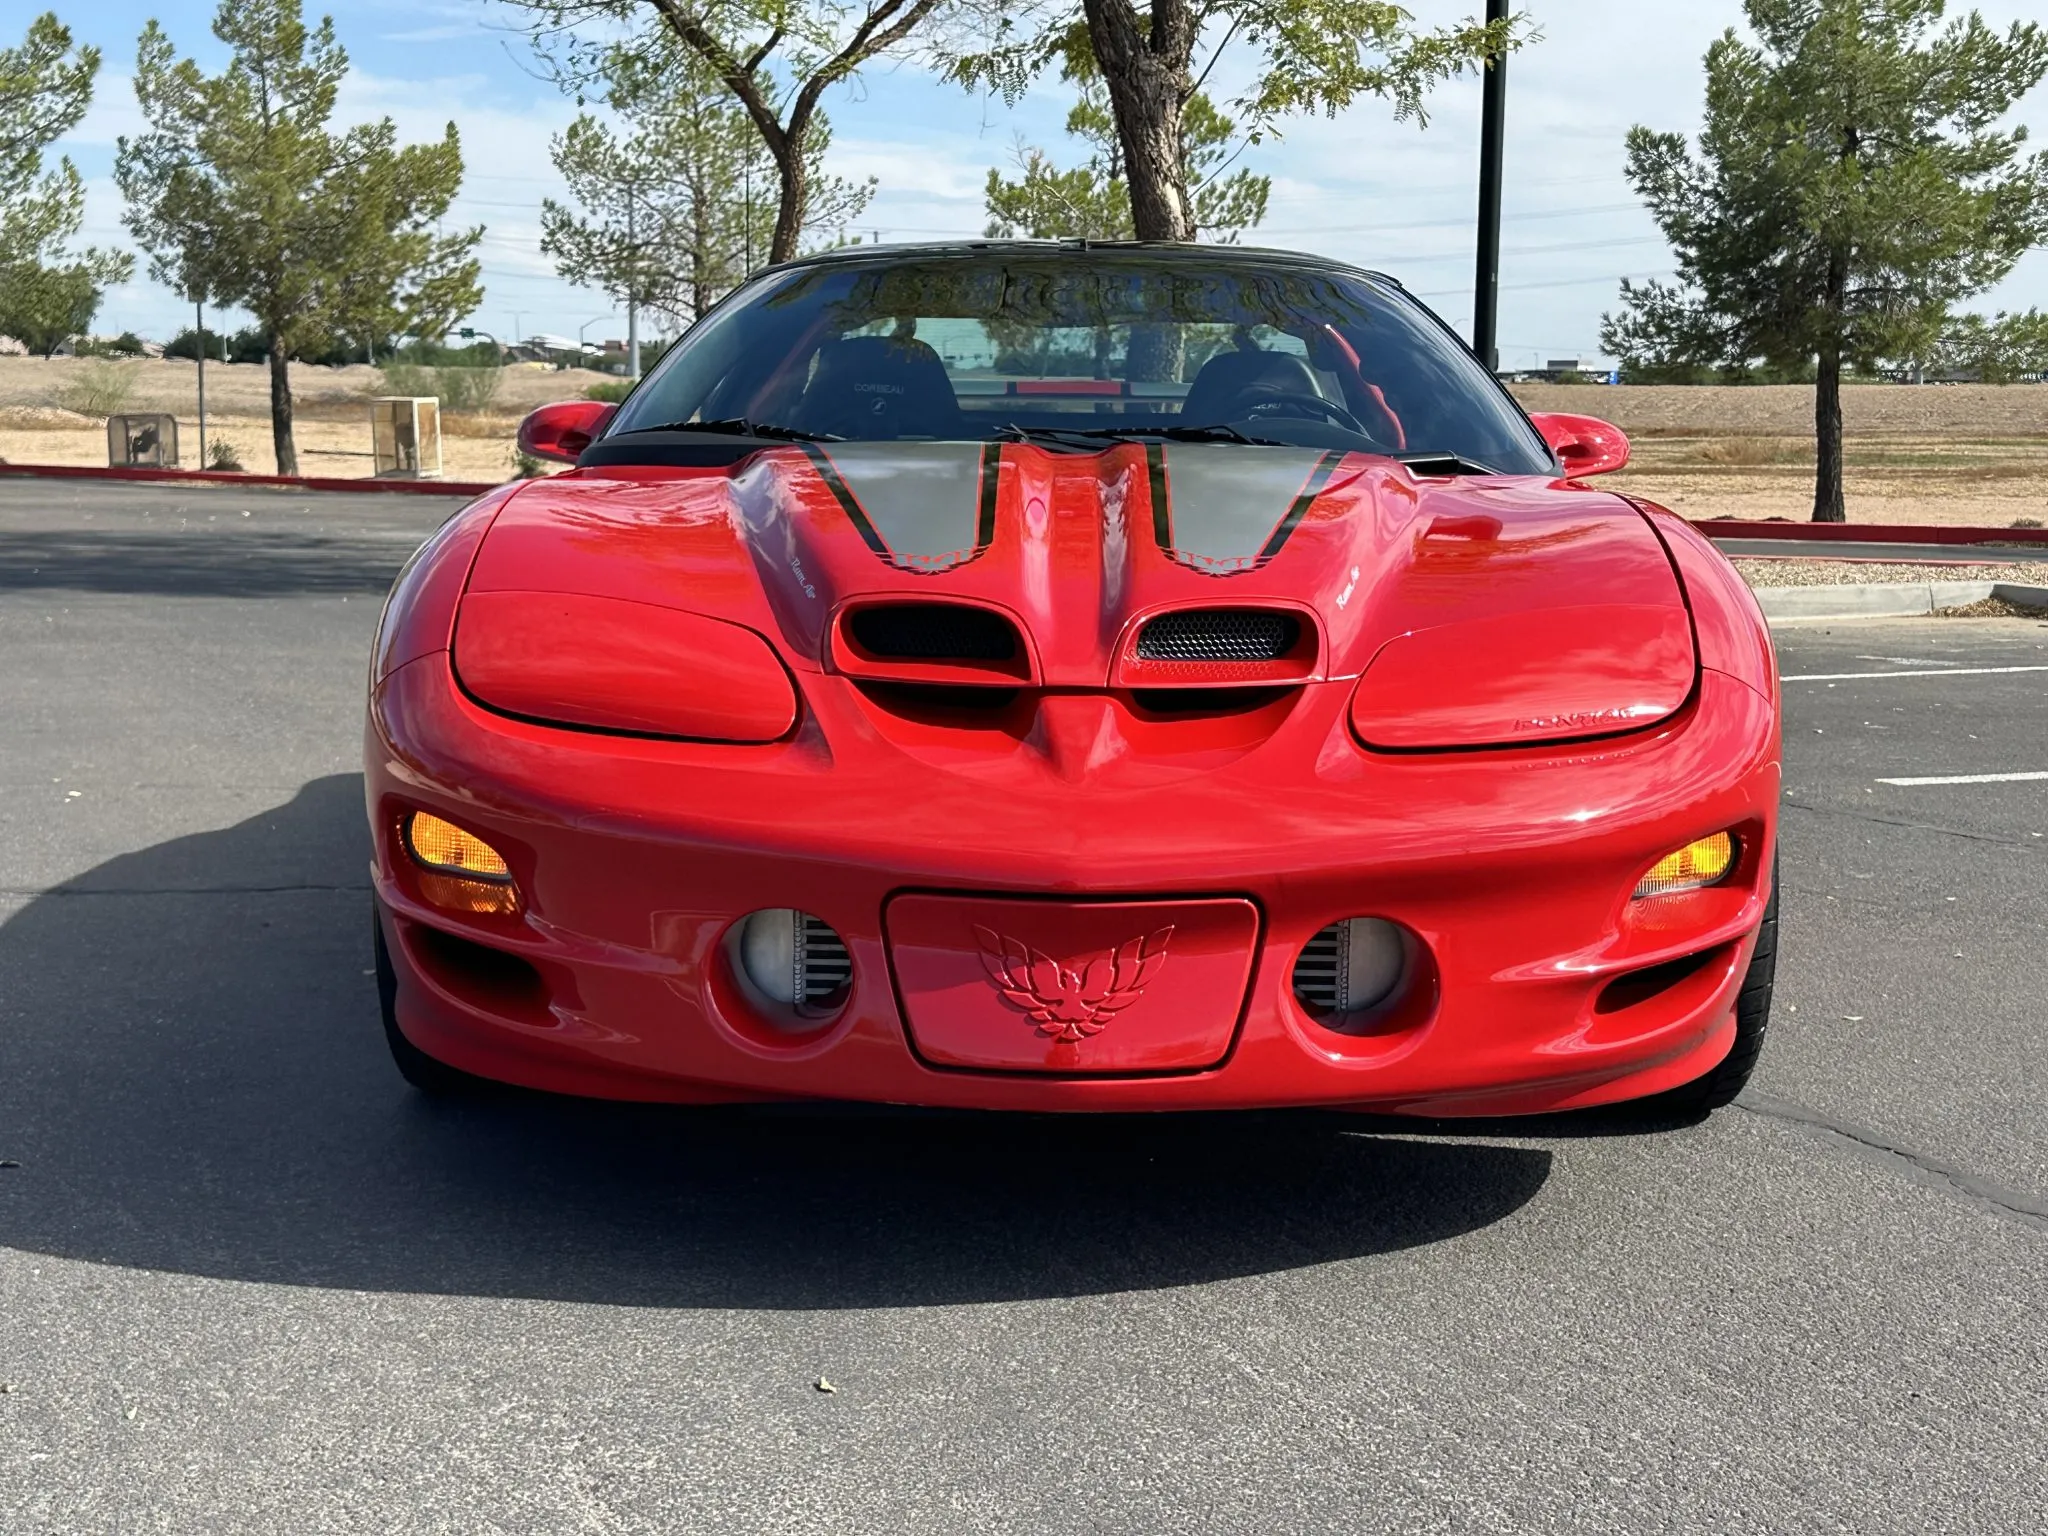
(1958, 454)
(330, 410)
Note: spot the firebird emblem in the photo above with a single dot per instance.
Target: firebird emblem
(1071, 1003)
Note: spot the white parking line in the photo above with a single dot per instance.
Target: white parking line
(1970, 778)
(1847, 677)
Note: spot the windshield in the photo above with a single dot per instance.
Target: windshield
(1071, 348)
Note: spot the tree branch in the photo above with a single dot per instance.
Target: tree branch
(744, 83)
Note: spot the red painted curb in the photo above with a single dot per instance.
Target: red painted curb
(1867, 533)
(223, 477)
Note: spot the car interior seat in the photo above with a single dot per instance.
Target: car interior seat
(1232, 382)
(880, 387)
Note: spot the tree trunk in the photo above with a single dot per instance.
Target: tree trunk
(281, 409)
(1827, 400)
(701, 255)
(789, 212)
(1147, 78)
(1828, 506)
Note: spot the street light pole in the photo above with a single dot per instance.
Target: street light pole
(632, 294)
(1492, 151)
(199, 348)
(586, 325)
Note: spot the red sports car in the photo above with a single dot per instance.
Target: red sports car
(1074, 677)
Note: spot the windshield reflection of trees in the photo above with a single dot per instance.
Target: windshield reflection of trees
(1112, 317)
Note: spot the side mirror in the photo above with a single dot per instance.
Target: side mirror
(1584, 445)
(563, 430)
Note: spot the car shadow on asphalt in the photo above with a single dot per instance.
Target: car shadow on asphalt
(194, 1081)
(283, 563)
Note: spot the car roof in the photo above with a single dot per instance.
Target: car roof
(1078, 250)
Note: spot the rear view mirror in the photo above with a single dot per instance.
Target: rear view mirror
(1584, 445)
(563, 430)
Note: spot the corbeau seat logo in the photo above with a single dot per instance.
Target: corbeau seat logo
(1071, 1003)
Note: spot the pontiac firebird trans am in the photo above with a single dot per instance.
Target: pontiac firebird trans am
(1074, 677)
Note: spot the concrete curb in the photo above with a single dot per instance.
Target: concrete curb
(1888, 599)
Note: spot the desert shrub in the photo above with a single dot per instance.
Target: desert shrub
(224, 455)
(433, 354)
(524, 465)
(127, 344)
(408, 379)
(466, 389)
(612, 392)
(2026, 522)
(101, 388)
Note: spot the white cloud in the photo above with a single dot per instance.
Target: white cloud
(114, 113)
(447, 32)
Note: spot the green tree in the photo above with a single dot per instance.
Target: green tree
(775, 58)
(1851, 184)
(241, 195)
(1997, 350)
(680, 206)
(1093, 201)
(42, 307)
(47, 292)
(1305, 56)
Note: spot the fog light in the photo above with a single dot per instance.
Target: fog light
(795, 960)
(458, 870)
(1697, 864)
(1351, 967)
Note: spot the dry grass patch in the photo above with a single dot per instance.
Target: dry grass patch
(43, 418)
(465, 425)
(1751, 452)
(1786, 410)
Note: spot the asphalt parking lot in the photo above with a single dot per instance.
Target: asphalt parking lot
(249, 1283)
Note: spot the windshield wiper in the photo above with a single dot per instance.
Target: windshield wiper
(1090, 436)
(739, 426)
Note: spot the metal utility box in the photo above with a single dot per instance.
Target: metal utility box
(405, 437)
(146, 442)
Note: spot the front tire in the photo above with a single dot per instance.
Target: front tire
(1752, 1019)
(434, 1078)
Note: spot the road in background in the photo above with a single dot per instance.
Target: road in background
(249, 1283)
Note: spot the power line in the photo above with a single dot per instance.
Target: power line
(1562, 282)
(1458, 223)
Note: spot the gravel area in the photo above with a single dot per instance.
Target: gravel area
(1993, 608)
(1841, 573)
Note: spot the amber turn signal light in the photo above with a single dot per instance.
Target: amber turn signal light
(458, 870)
(1697, 864)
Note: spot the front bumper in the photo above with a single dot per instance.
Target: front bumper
(634, 858)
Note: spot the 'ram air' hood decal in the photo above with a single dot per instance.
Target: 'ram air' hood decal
(1216, 508)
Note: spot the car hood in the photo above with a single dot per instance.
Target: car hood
(1479, 609)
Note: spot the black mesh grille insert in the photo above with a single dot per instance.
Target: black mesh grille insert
(1219, 634)
(1319, 971)
(824, 970)
(933, 632)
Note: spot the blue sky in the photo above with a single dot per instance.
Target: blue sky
(1360, 186)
